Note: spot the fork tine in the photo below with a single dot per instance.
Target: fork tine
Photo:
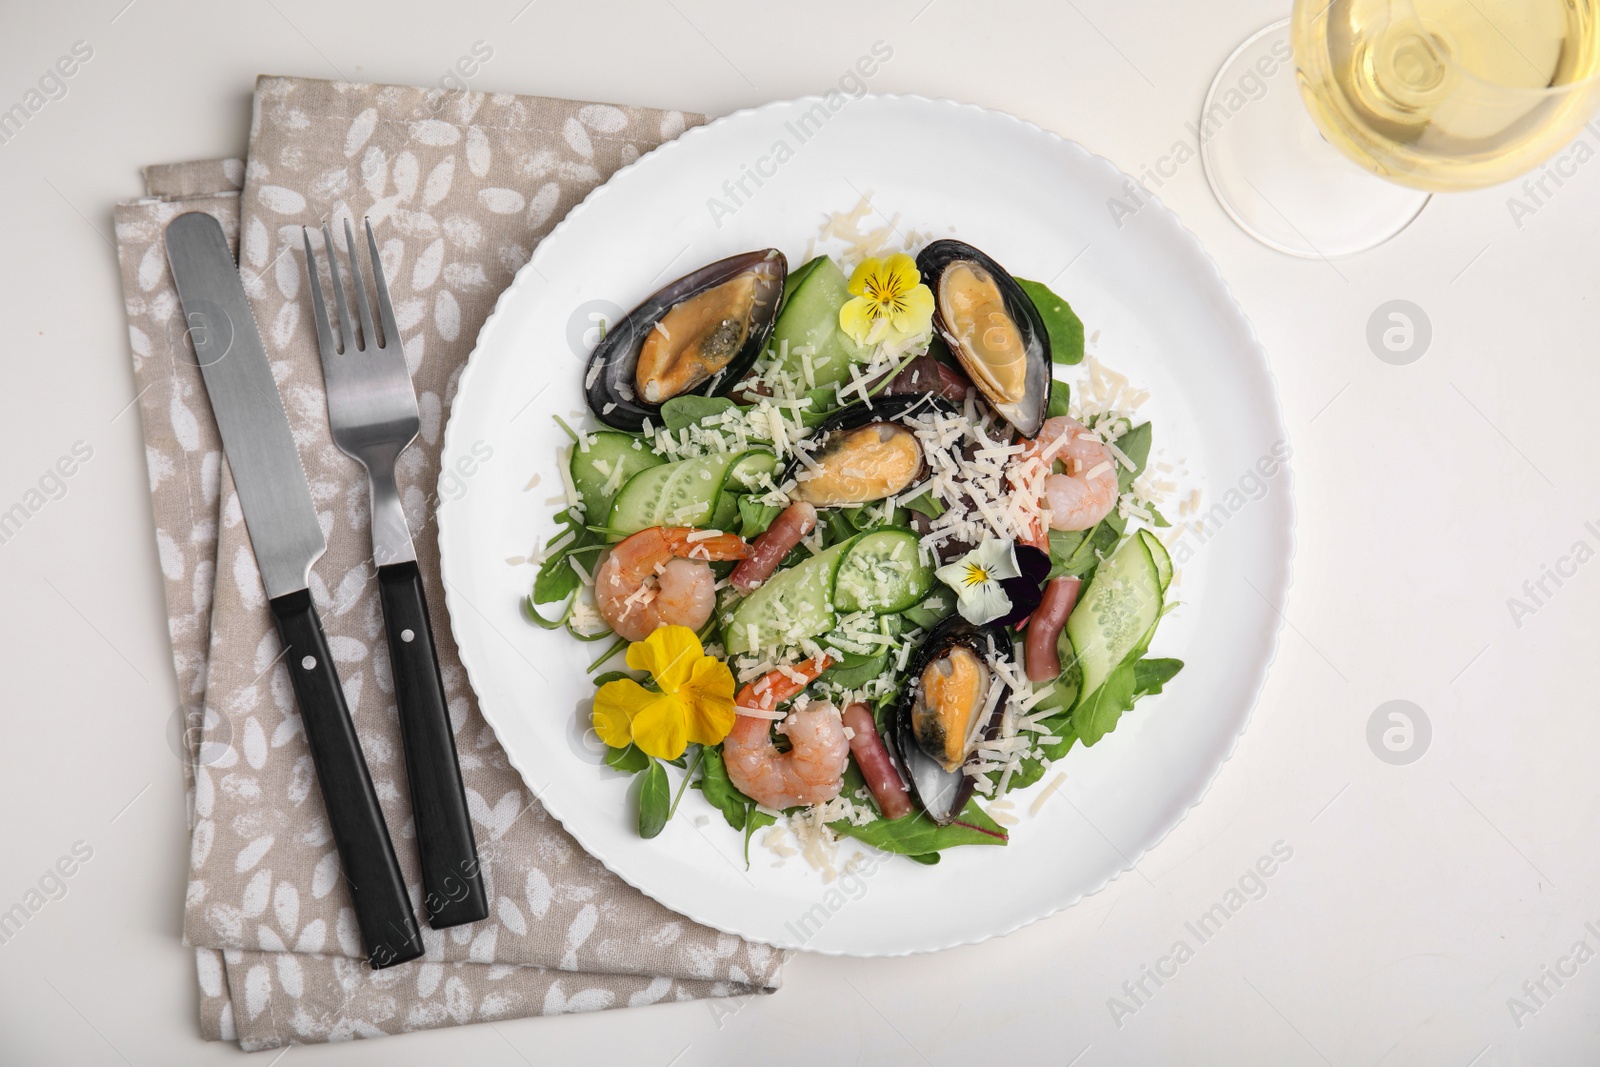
(347, 328)
(319, 310)
(391, 332)
(358, 279)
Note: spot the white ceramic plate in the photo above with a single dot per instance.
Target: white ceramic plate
(1156, 310)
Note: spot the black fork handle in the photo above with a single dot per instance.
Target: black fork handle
(451, 877)
(377, 888)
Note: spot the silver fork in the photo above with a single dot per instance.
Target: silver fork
(372, 408)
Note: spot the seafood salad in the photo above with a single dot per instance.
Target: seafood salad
(856, 563)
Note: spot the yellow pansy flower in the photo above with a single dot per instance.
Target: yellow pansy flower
(889, 300)
(695, 703)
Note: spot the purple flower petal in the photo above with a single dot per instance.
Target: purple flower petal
(1025, 591)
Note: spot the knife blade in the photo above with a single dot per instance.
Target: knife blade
(287, 539)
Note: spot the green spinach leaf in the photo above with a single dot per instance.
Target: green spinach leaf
(655, 800)
(629, 760)
(1060, 322)
(857, 670)
(934, 609)
(683, 411)
(925, 503)
(720, 790)
(1060, 402)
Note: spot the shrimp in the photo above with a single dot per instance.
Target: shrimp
(812, 771)
(1078, 496)
(660, 577)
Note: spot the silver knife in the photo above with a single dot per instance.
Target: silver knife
(288, 539)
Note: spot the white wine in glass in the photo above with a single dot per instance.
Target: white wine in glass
(1432, 95)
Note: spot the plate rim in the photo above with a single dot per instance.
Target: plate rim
(1197, 252)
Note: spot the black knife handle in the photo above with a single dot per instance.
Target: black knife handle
(451, 878)
(377, 888)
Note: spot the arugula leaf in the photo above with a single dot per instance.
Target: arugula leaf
(918, 835)
(683, 411)
(754, 821)
(1149, 675)
(531, 613)
(755, 517)
(925, 503)
(1060, 399)
(1135, 444)
(720, 790)
(1031, 770)
(557, 580)
(655, 800)
(1097, 715)
(1066, 550)
(630, 760)
(929, 859)
(1060, 322)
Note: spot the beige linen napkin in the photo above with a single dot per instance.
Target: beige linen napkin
(460, 186)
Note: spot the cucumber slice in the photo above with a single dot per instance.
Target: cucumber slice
(809, 322)
(751, 468)
(600, 471)
(684, 493)
(1158, 555)
(1121, 604)
(796, 276)
(794, 604)
(884, 573)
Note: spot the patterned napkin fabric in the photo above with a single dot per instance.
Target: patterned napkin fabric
(459, 186)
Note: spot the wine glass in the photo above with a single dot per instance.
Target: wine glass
(1432, 95)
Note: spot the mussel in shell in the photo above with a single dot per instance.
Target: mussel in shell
(865, 452)
(992, 328)
(698, 335)
(953, 701)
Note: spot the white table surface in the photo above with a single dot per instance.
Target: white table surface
(1418, 898)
